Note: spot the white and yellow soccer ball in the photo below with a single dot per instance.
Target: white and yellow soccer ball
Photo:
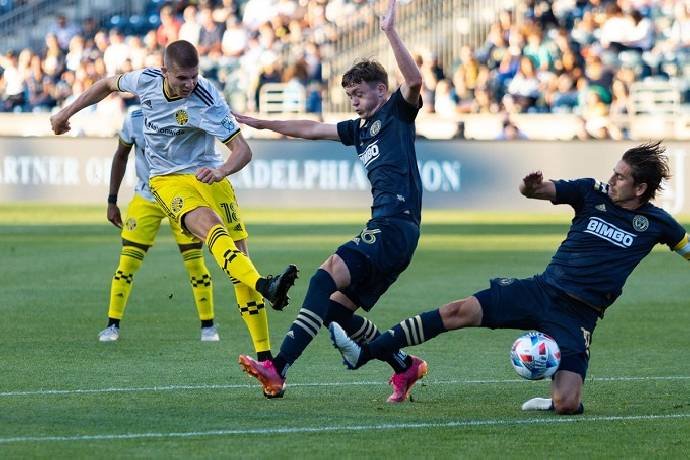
(535, 356)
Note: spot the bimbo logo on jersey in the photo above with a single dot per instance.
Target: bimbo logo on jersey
(370, 154)
(610, 233)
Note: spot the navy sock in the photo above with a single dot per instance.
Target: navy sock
(412, 331)
(308, 322)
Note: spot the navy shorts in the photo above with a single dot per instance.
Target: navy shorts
(532, 304)
(377, 256)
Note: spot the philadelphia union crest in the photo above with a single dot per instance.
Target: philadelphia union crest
(640, 223)
(181, 117)
(375, 128)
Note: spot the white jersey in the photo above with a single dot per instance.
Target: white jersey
(180, 132)
(132, 133)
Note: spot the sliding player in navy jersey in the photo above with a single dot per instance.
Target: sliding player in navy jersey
(361, 270)
(615, 226)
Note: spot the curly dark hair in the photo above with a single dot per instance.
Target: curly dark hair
(365, 70)
(649, 166)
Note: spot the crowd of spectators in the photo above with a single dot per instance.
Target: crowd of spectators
(243, 44)
(558, 56)
(566, 56)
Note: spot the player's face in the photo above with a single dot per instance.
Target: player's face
(181, 81)
(622, 187)
(366, 98)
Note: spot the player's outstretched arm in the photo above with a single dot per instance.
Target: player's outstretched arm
(96, 93)
(305, 129)
(534, 186)
(412, 86)
(117, 172)
(240, 156)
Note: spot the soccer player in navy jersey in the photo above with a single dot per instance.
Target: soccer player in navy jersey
(362, 269)
(615, 226)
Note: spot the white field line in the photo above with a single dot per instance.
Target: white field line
(343, 428)
(44, 392)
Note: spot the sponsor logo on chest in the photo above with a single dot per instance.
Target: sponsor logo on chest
(370, 154)
(609, 232)
(163, 130)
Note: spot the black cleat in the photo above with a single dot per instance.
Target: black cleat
(275, 288)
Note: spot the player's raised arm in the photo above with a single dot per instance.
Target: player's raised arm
(412, 86)
(96, 93)
(534, 186)
(305, 129)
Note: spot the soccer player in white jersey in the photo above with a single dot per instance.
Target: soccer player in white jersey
(139, 231)
(183, 115)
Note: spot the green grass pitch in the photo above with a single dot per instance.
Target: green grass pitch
(161, 393)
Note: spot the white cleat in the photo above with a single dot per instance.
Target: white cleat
(109, 334)
(347, 347)
(209, 334)
(538, 404)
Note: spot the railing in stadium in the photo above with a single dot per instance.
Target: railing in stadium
(440, 27)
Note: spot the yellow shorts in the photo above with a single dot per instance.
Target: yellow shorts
(179, 194)
(143, 221)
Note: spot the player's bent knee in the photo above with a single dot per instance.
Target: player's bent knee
(461, 313)
(200, 221)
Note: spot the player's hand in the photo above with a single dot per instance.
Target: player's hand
(387, 21)
(530, 182)
(114, 215)
(60, 123)
(210, 175)
(249, 121)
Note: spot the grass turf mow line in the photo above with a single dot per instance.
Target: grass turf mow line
(335, 428)
(310, 384)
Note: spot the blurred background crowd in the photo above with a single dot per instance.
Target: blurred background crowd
(560, 56)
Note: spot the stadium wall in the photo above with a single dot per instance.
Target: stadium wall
(467, 175)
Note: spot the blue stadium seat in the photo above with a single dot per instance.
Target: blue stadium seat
(137, 23)
(154, 20)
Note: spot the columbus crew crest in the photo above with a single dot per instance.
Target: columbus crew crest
(375, 128)
(131, 224)
(176, 204)
(181, 117)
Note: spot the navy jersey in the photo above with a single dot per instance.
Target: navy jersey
(605, 242)
(385, 145)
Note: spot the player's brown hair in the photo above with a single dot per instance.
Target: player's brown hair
(181, 54)
(365, 70)
(649, 166)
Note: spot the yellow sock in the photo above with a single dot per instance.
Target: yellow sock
(131, 259)
(233, 261)
(253, 312)
(200, 278)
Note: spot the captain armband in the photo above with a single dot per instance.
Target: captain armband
(683, 248)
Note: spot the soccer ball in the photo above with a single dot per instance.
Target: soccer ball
(535, 355)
